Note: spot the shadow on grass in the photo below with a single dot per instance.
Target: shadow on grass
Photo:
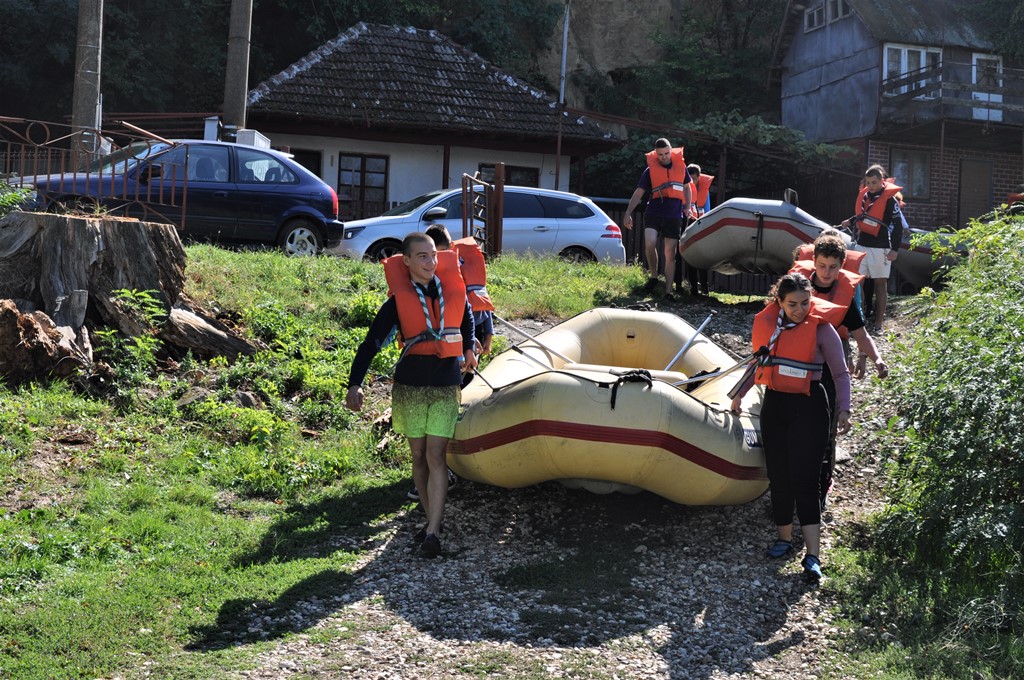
(347, 522)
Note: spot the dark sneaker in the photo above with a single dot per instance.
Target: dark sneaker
(421, 535)
(669, 297)
(431, 546)
(453, 480)
(812, 568)
(779, 549)
(650, 285)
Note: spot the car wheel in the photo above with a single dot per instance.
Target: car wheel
(383, 249)
(301, 237)
(577, 255)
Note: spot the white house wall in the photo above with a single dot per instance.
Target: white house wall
(414, 169)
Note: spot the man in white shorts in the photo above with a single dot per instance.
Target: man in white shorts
(879, 225)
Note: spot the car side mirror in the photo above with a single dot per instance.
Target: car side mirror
(150, 172)
(435, 213)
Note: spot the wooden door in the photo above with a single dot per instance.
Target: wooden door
(975, 189)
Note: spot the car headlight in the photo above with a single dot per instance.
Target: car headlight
(353, 232)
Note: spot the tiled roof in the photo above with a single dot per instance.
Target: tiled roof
(391, 77)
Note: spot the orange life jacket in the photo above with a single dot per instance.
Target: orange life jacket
(443, 337)
(668, 182)
(788, 366)
(805, 251)
(474, 273)
(700, 190)
(874, 212)
(841, 295)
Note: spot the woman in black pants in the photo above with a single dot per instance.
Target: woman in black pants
(791, 340)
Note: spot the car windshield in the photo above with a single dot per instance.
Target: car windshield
(412, 204)
(124, 159)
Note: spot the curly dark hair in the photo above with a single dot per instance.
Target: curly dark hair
(789, 283)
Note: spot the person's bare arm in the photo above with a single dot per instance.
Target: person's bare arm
(634, 201)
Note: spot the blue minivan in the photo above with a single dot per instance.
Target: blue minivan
(213, 191)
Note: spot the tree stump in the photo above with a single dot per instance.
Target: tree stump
(59, 273)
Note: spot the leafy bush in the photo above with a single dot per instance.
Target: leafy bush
(954, 530)
(12, 198)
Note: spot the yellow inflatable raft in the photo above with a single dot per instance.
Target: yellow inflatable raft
(572, 405)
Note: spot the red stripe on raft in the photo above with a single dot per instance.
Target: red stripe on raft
(748, 224)
(607, 435)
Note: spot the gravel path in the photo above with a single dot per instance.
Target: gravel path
(630, 587)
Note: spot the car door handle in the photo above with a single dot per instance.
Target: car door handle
(220, 194)
(541, 227)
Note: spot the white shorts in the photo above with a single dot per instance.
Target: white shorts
(875, 265)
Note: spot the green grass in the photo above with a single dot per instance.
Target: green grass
(161, 524)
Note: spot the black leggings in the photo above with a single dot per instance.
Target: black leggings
(794, 428)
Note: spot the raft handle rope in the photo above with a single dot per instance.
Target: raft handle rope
(637, 375)
(689, 342)
(759, 238)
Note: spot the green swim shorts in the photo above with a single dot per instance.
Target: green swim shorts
(419, 411)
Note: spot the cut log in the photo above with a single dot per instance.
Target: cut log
(205, 337)
(33, 347)
(73, 267)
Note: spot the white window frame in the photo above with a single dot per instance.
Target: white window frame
(906, 52)
(838, 9)
(814, 18)
(977, 75)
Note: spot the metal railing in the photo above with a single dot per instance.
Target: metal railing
(92, 170)
(954, 88)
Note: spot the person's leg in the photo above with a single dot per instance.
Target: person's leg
(692, 278)
(812, 538)
(775, 428)
(442, 417)
(703, 277)
(651, 252)
(436, 482)
(680, 268)
(670, 246)
(806, 453)
(420, 471)
(881, 297)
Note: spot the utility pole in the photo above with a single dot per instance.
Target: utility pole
(85, 109)
(236, 76)
(561, 97)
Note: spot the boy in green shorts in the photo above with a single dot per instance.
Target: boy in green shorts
(428, 305)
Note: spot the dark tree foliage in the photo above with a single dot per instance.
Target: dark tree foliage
(38, 40)
(714, 63)
(168, 57)
(164, 57)
(1003, 24)
(713, 67)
